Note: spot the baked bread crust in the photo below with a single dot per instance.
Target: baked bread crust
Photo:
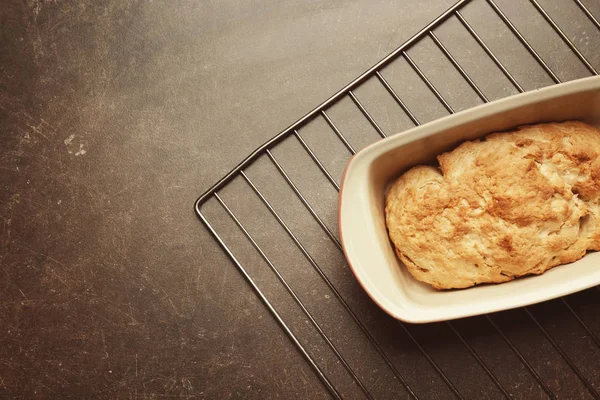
(514, 204)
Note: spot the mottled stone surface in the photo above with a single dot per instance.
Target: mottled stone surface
(115, 115)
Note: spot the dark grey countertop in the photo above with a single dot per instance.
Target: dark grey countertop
(116, 115)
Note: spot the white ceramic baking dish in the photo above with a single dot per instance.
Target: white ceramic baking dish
(369, 173)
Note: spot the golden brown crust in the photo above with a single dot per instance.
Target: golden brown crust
(515, 204)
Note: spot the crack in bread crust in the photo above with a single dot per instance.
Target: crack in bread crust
(513, 204)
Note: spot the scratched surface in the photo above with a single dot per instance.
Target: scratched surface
(116, 114)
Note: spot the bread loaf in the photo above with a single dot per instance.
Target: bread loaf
(513, 204)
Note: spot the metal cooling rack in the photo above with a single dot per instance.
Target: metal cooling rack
(277, 222)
